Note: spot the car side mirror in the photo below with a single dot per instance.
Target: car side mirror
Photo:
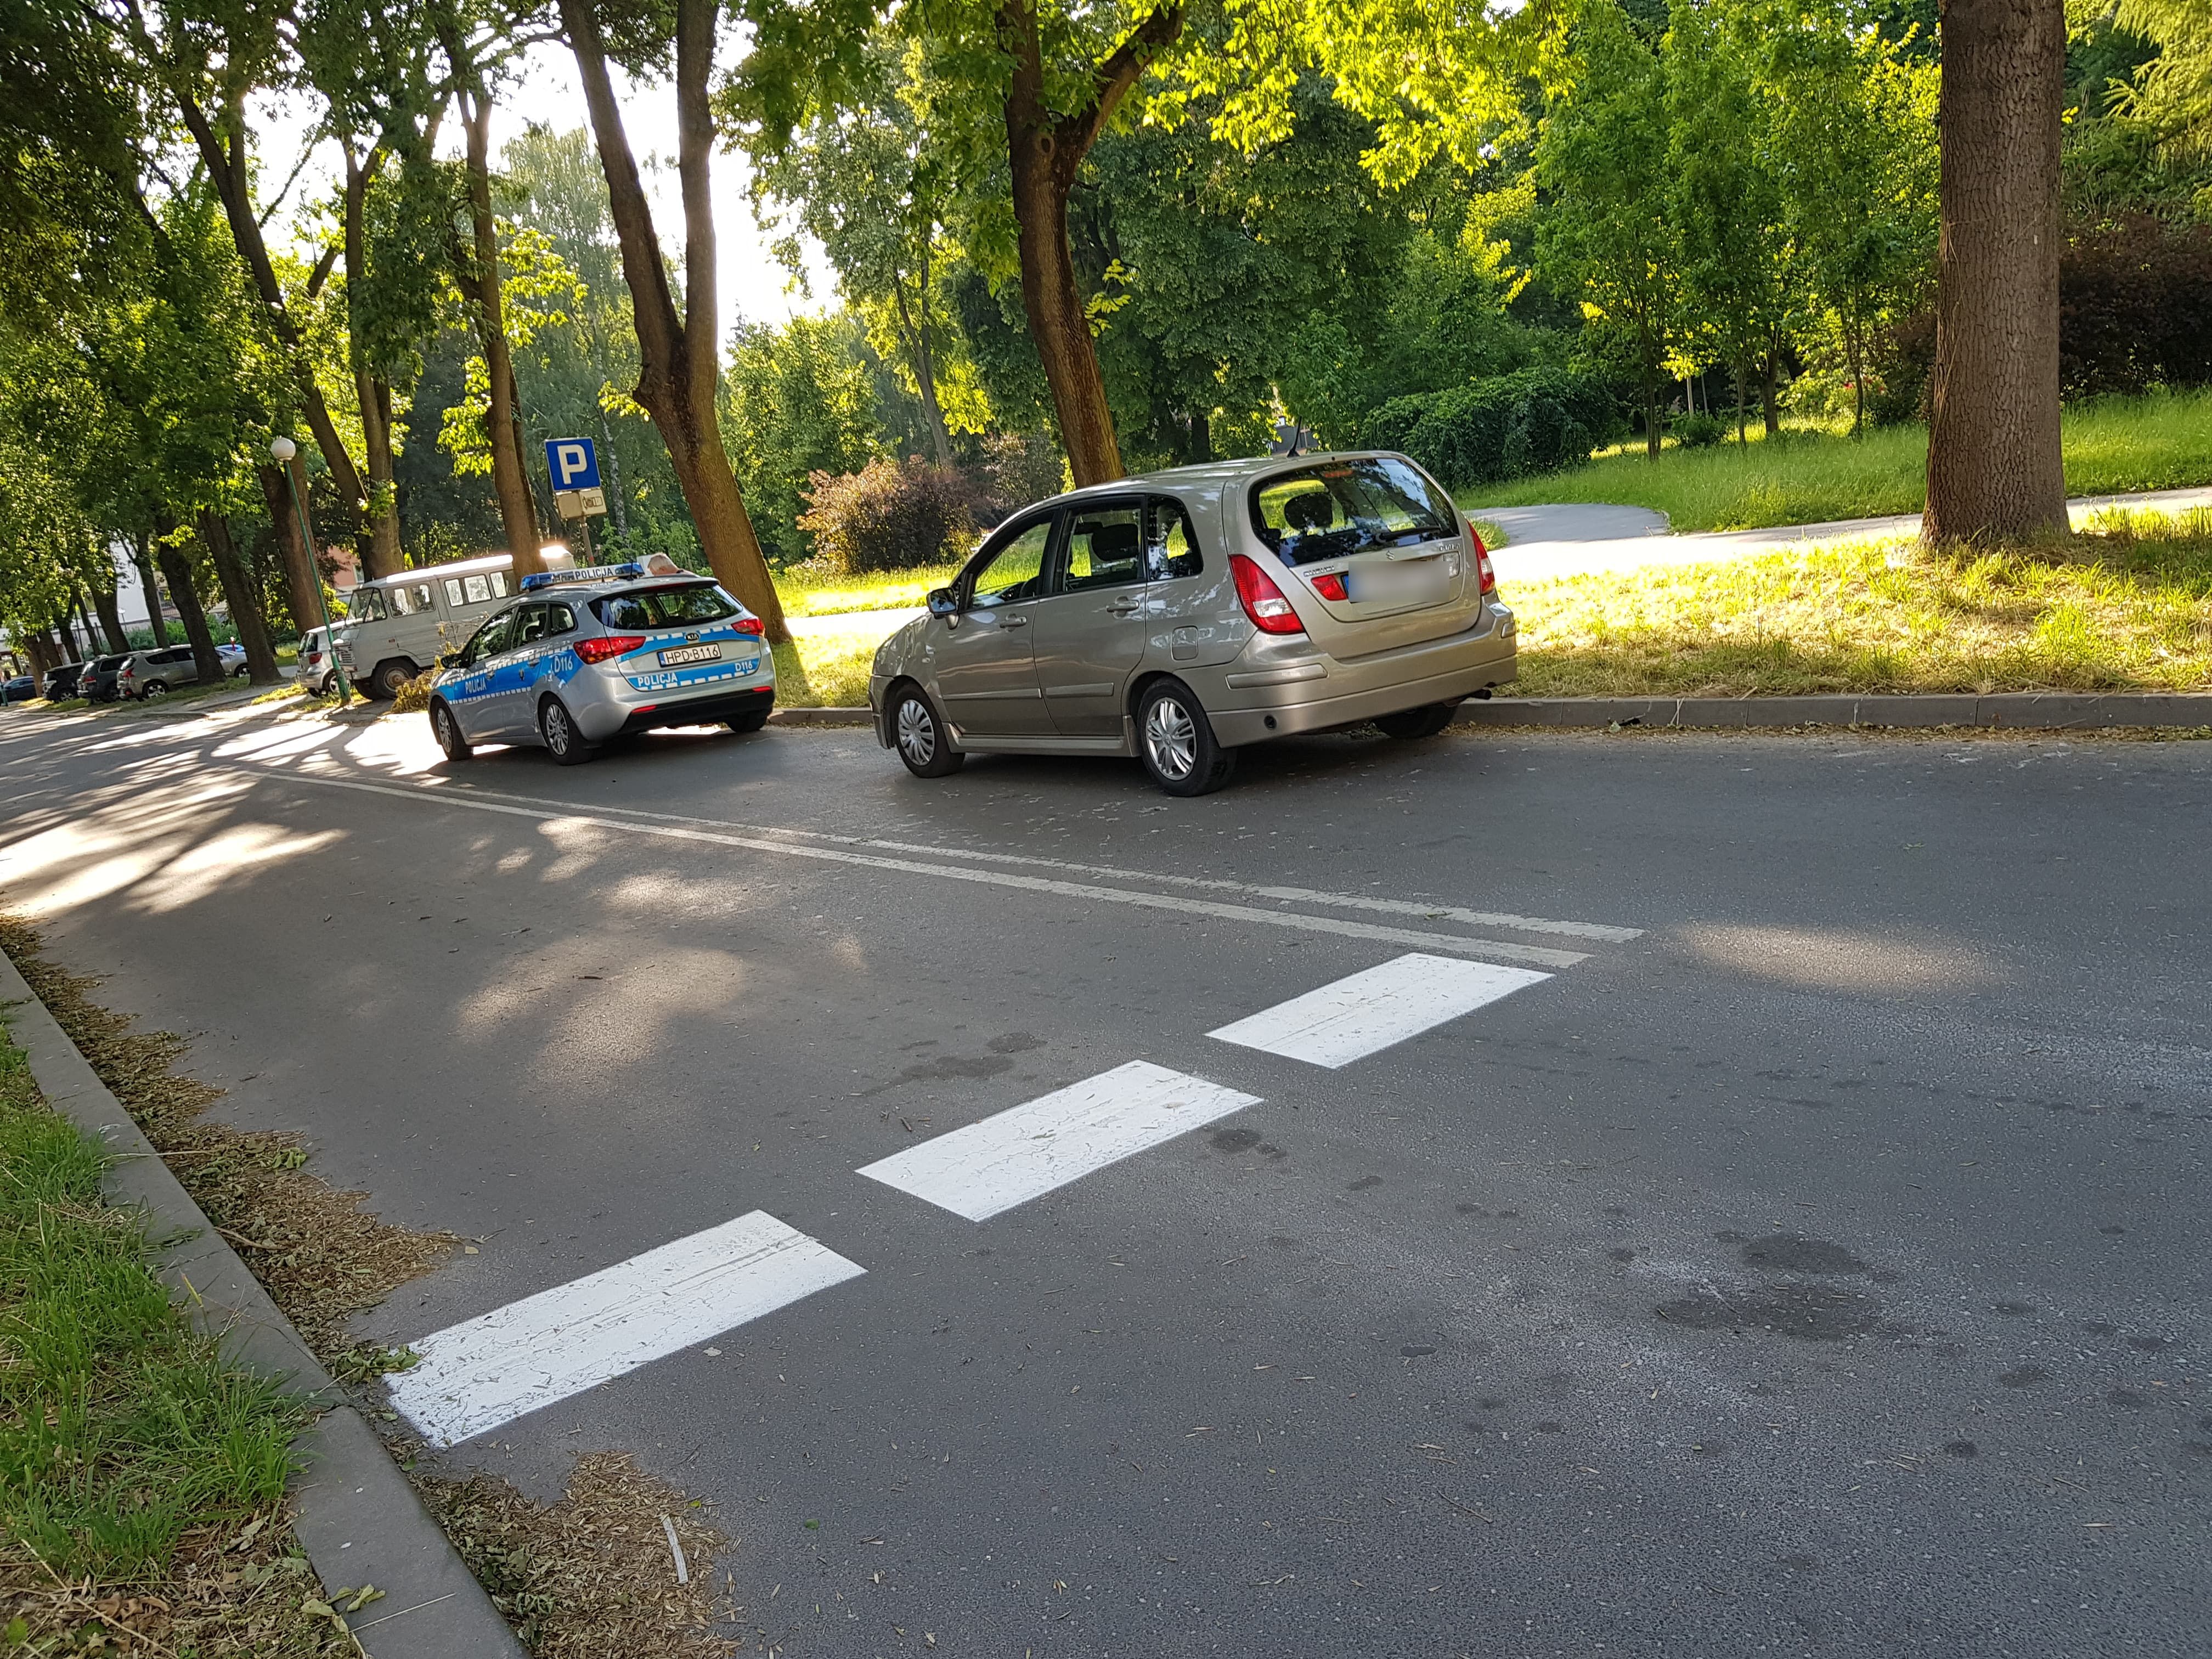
(451, 659)
(943, 602)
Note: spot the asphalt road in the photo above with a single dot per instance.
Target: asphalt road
(1821, 1270)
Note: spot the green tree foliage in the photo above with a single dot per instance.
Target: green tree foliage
(797, 402)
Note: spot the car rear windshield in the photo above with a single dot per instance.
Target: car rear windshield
(1337, 508)
(666, 607)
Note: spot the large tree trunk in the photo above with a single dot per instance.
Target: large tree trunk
(518, 514)
(679, 358)
(237, 592)
(142, 557)
(381, 557)
(302, 582)
(227, 164)
(105, 606)
(177, 573)
(1045, 148)
(1995, 466)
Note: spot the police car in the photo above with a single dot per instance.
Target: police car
(584, 655)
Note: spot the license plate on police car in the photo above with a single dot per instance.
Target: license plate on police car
(676, 655)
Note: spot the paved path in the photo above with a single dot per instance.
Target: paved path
(1056, 1219)
(1576, 539)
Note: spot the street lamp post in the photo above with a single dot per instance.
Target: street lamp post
(284, 449)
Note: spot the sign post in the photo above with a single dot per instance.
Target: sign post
(573, 465)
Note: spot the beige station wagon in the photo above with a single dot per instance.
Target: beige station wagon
(1182, 614)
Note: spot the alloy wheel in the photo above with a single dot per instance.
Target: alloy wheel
(1171, 738)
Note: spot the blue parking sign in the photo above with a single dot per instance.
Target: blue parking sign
(573, 463)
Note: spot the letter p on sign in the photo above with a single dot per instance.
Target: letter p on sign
(573, 463)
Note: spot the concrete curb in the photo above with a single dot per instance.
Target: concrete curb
(2044, 711)
(358, 1519)
(822, 717)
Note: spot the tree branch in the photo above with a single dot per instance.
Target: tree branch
(1110, 83)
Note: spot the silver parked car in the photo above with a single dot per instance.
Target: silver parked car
(1181, 616)
(586, 655)
(156, 673)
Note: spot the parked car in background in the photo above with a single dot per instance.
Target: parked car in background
(21, 688)
(62, 682)
(156, 673)
(318, 667)
(233, 661)
(98, 682)
(1178, 616)
(587, 655)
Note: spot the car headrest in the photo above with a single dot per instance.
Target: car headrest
(1311, 509)
(1113, 543)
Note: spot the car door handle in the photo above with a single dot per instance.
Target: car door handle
(1125, 607)
(1013, 621)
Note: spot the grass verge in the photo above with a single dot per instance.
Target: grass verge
(2126, 606)
(142, 1477)
(815, 593)
(827, 670)
(2112, 445)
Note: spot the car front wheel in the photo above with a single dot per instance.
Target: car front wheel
(918, 736)
(562, 740)
(448, 731)
(1175, 741)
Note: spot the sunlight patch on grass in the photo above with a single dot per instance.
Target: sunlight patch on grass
(2112, 445)
(829, 669)
(816, 593)
(2129, 606)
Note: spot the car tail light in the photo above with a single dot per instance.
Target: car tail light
(752, 625)
(1482, 564)
(1263, 601)
(1330, 586)
(609, 645)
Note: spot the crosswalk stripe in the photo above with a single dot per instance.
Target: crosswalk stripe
(1026, 1151)
(1358, 1016)
(491, 1370)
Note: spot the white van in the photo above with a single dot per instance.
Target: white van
(396, 627)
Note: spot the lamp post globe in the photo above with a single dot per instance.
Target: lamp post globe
(284, 449)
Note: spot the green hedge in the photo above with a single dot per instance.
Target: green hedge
(1535, 420)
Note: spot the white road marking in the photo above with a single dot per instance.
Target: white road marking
(1422, 908)
(1370, 1010)
(1026, 1151)
(1243, 912)
(488, 1371)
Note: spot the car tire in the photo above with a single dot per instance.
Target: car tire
(751, 721)
(918, 734)
(557, 727)
(448, 731)
(154, 688)
(1423, 722)
(391, 678)
(1177, 744)
(243, 672)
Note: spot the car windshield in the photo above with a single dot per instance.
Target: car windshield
(668, 607)
(1339, 508)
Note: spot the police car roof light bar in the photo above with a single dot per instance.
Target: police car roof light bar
(592, 572)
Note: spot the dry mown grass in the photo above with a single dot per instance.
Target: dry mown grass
(591, 1576)
(2126, 606)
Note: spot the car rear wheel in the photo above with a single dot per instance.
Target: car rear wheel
(562, 740)
(751, 721)
(1176, 742)
(154, 688)
(448, 731)
(391, 678)
(918, 736)
(1423, 722)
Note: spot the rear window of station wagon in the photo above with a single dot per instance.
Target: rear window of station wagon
(666, 607)
(1342, 508)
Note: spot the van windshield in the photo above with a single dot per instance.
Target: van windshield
(668, 607)
(1342, 508)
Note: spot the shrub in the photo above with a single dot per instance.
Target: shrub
(888, 516)
(1698, 431)
(2135, 306)
(1535, 420)
(1018, 468)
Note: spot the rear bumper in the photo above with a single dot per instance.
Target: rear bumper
(1442, 671)
(699, 711)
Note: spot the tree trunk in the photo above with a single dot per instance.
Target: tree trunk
(916, 331)
(1650, 394)
(1769, 403)
(228, 164)
(1742, 372)
(237, 592)
(381, 557)
(1995, 464)
(518, 515)
(302, 581)
(142, 557)
(109, 612)
(1852, 345)
(176, 571)
(679, 358)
